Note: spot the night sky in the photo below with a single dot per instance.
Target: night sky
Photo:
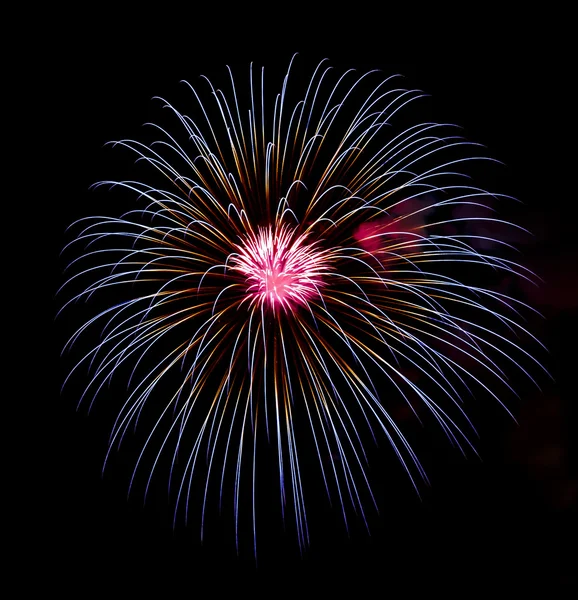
(481, 524)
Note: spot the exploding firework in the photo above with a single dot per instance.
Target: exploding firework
(306, 265)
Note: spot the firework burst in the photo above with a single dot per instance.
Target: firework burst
(310, 263)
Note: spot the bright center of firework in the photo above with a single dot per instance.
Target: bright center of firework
(281, 269)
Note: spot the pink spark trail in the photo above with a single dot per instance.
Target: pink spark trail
(281, 268)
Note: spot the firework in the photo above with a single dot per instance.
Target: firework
(306, 263)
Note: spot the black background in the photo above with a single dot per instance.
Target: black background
(503, 521)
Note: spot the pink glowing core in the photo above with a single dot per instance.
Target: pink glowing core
(281, 269)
